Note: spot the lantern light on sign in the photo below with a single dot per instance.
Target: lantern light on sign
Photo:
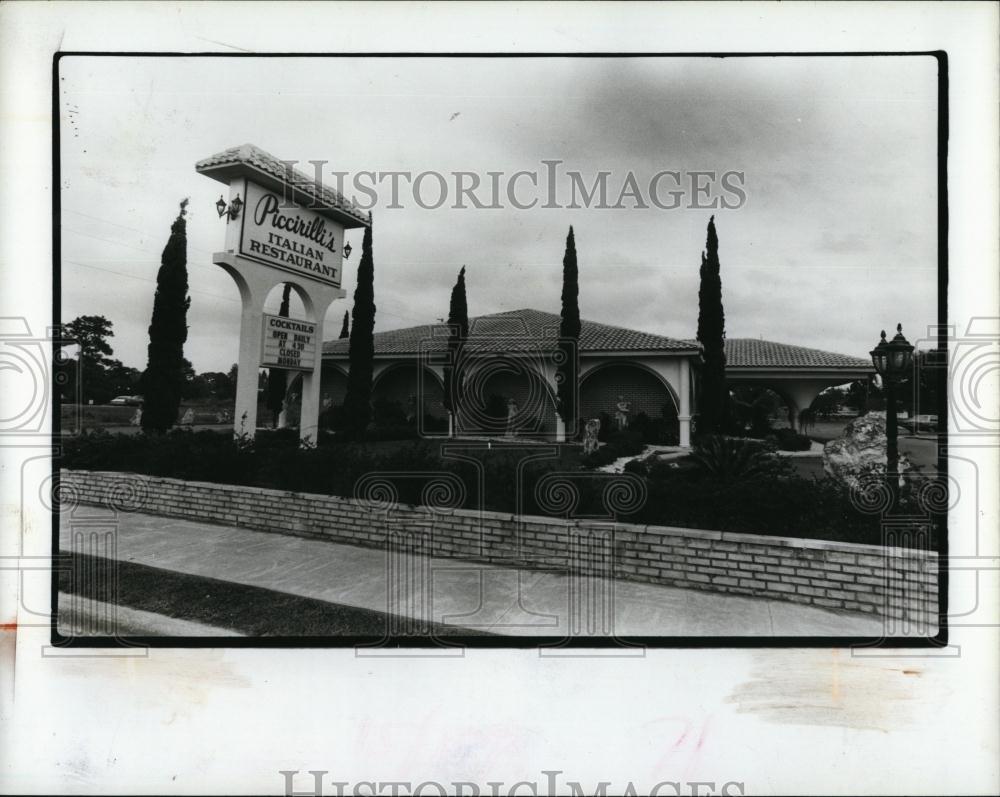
(233, 210)
(347, 251)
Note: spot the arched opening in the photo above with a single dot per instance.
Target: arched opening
(280, 395)
(757, 409)
(506, 396)
(402, 395)
(651, 401)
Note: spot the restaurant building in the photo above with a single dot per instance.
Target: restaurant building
(513, 356)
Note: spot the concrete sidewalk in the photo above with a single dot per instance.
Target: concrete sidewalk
(456, 592)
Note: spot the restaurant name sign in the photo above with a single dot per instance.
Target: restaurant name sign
(288, 343)
(292, 238)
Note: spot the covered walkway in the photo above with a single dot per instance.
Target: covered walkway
(797, 374)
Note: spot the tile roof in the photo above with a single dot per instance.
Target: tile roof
(515, 330)
(754, 353)
(525, 329)
(256, 158)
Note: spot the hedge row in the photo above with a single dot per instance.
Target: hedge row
(498, 479)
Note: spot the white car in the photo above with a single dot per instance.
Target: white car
(128, 401)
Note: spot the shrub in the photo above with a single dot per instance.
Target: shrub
(656, 431)
(636, 466)
(607, 429)
(790, 440)
(756, 494)
(626, 443)
(728, 460)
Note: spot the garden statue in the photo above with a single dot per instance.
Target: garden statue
(511, 417)
(590, 432)
(188, 417)
(137, 418)
(622, 410)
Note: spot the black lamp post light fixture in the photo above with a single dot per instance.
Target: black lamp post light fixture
(233, 209)
(892, 360)
(347, 251)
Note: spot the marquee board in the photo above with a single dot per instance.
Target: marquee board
(288, 343)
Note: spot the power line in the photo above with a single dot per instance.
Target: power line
(150, 279)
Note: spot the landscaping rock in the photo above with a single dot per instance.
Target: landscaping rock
(862, 446)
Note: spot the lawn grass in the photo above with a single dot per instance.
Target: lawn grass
(252, 611)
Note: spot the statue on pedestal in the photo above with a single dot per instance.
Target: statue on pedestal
(622, 410)
(590, 433)
(511, 417)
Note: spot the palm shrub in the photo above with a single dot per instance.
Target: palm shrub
(727, 460)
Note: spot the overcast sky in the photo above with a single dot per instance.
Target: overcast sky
(836, 241)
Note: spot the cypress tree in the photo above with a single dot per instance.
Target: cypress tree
(163, 379)
(569, 336)
(277, 377)
(357, 402)
(714, 394)
(345, 329)
(458, 324)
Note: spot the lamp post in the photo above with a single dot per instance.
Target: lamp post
(892, 360)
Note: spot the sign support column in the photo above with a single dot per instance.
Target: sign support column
(281, 227)
(247, 378)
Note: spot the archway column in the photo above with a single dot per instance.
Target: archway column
(254, 285)
(309, 417)
(684, 411)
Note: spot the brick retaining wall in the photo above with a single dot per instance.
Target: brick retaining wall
(895, 582)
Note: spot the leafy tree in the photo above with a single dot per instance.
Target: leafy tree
(357, 402)
(751, 408)
(864, 395)
(90, 333)
(829, 401)
(191, 387)
(89, 373)
(714, 396)
(930, 366)
(217, 385)
(569, 336)
(345, 329)
(277, 377)
(164, 379)
(458, 323)
(122, 379)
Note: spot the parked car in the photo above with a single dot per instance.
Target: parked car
(128, 401)
(920, 423)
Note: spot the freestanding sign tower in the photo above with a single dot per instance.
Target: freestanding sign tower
(280, 227)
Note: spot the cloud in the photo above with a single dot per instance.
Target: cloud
(839, 157)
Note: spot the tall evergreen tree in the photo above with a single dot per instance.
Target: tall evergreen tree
(345, 329)
(357, 402)
(163, 379)
(458, 324)
(569, 336)
(277, 377)
(714, 393)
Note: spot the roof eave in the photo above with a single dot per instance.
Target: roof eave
(227, 171)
